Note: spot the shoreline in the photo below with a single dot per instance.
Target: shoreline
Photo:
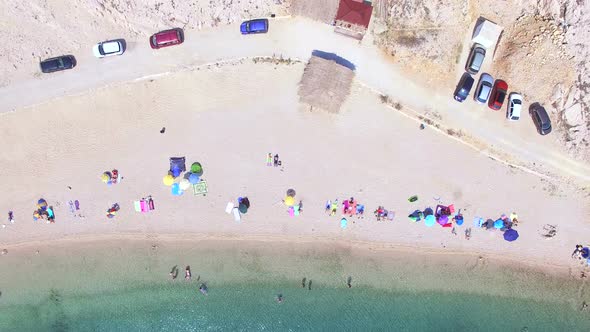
(386, 249)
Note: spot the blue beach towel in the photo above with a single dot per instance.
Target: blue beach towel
(343, 223)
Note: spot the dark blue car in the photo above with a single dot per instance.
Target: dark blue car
(254, 26)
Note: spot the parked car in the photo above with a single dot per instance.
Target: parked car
(167, 38)
(514, 106)
(254, 26)
(484, 88)
(463, 88)
(58, 63)
(475, 60)
(540, 118)
(109, 48)
(498, 95)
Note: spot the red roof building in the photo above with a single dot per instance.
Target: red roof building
(353, 17)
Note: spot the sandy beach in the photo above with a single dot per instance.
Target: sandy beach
(216, 116)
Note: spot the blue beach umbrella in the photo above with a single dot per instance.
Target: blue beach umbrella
(510, 235)
(194, 178)
(429, 220)
(499, 224)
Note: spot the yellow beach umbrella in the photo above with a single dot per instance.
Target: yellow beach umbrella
(289, 201)
(105, 177)
(184, 184)
(168, 180)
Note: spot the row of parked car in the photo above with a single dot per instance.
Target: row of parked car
(158, 40)
(494, 92)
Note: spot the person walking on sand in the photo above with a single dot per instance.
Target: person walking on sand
(328, 206)
(334, 207)
(269, 159)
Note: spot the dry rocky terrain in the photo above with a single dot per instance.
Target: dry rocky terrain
(542, 52)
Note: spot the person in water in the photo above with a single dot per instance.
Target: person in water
(203, 289)
(187, 273)
(280, 298)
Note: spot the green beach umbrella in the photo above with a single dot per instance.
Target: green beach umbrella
(197, 168)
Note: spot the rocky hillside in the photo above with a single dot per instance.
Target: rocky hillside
(542, 52)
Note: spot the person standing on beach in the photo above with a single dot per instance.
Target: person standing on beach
(309, 285)
(303, 282)
(349, 282)
(269, 159)
(276, 160)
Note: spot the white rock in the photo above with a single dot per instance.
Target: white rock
(573, 115)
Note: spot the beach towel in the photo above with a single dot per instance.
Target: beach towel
(237, 216)
(296, 210)
(144, 206)
(478, 222)
(291, 212)
(176, 191)
(137, 206)
(229, 207)
(200, 188)
(343, 223)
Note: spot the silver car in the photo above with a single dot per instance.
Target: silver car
(484, 88)
(475, 60)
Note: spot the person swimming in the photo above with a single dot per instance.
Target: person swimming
(280, 298)
(203, 289)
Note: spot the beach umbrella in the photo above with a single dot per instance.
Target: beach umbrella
(42, 204)
(443, 220)
(184, 184)
(197, 168)
(510, 235)
(499, 224)
(429, 220)
(289, 201)
(459, 219)
(245, 201)
(106, 177)
(194, 178)
(291, 192)
(428, 211)
(168, 180)
(243, 208)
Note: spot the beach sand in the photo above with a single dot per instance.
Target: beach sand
(219, 117)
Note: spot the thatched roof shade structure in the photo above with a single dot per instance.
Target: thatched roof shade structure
(326, 82)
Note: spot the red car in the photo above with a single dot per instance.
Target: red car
(498, 95)
(167, 38)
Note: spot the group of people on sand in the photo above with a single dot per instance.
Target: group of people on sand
(349, 207)
(188, 276)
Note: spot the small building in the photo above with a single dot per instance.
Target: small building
(353, 17)
(486, 33)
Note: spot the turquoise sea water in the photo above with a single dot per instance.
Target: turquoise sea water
(243, 286)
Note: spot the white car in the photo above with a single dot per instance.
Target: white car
(108, 48)
(514, 106)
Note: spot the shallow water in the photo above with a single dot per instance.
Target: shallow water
(85, 292)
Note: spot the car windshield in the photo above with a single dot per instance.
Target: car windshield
(516, 102)
(100, 49)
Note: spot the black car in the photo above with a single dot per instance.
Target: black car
(464, 87)
(58, 63)
(540, 118)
